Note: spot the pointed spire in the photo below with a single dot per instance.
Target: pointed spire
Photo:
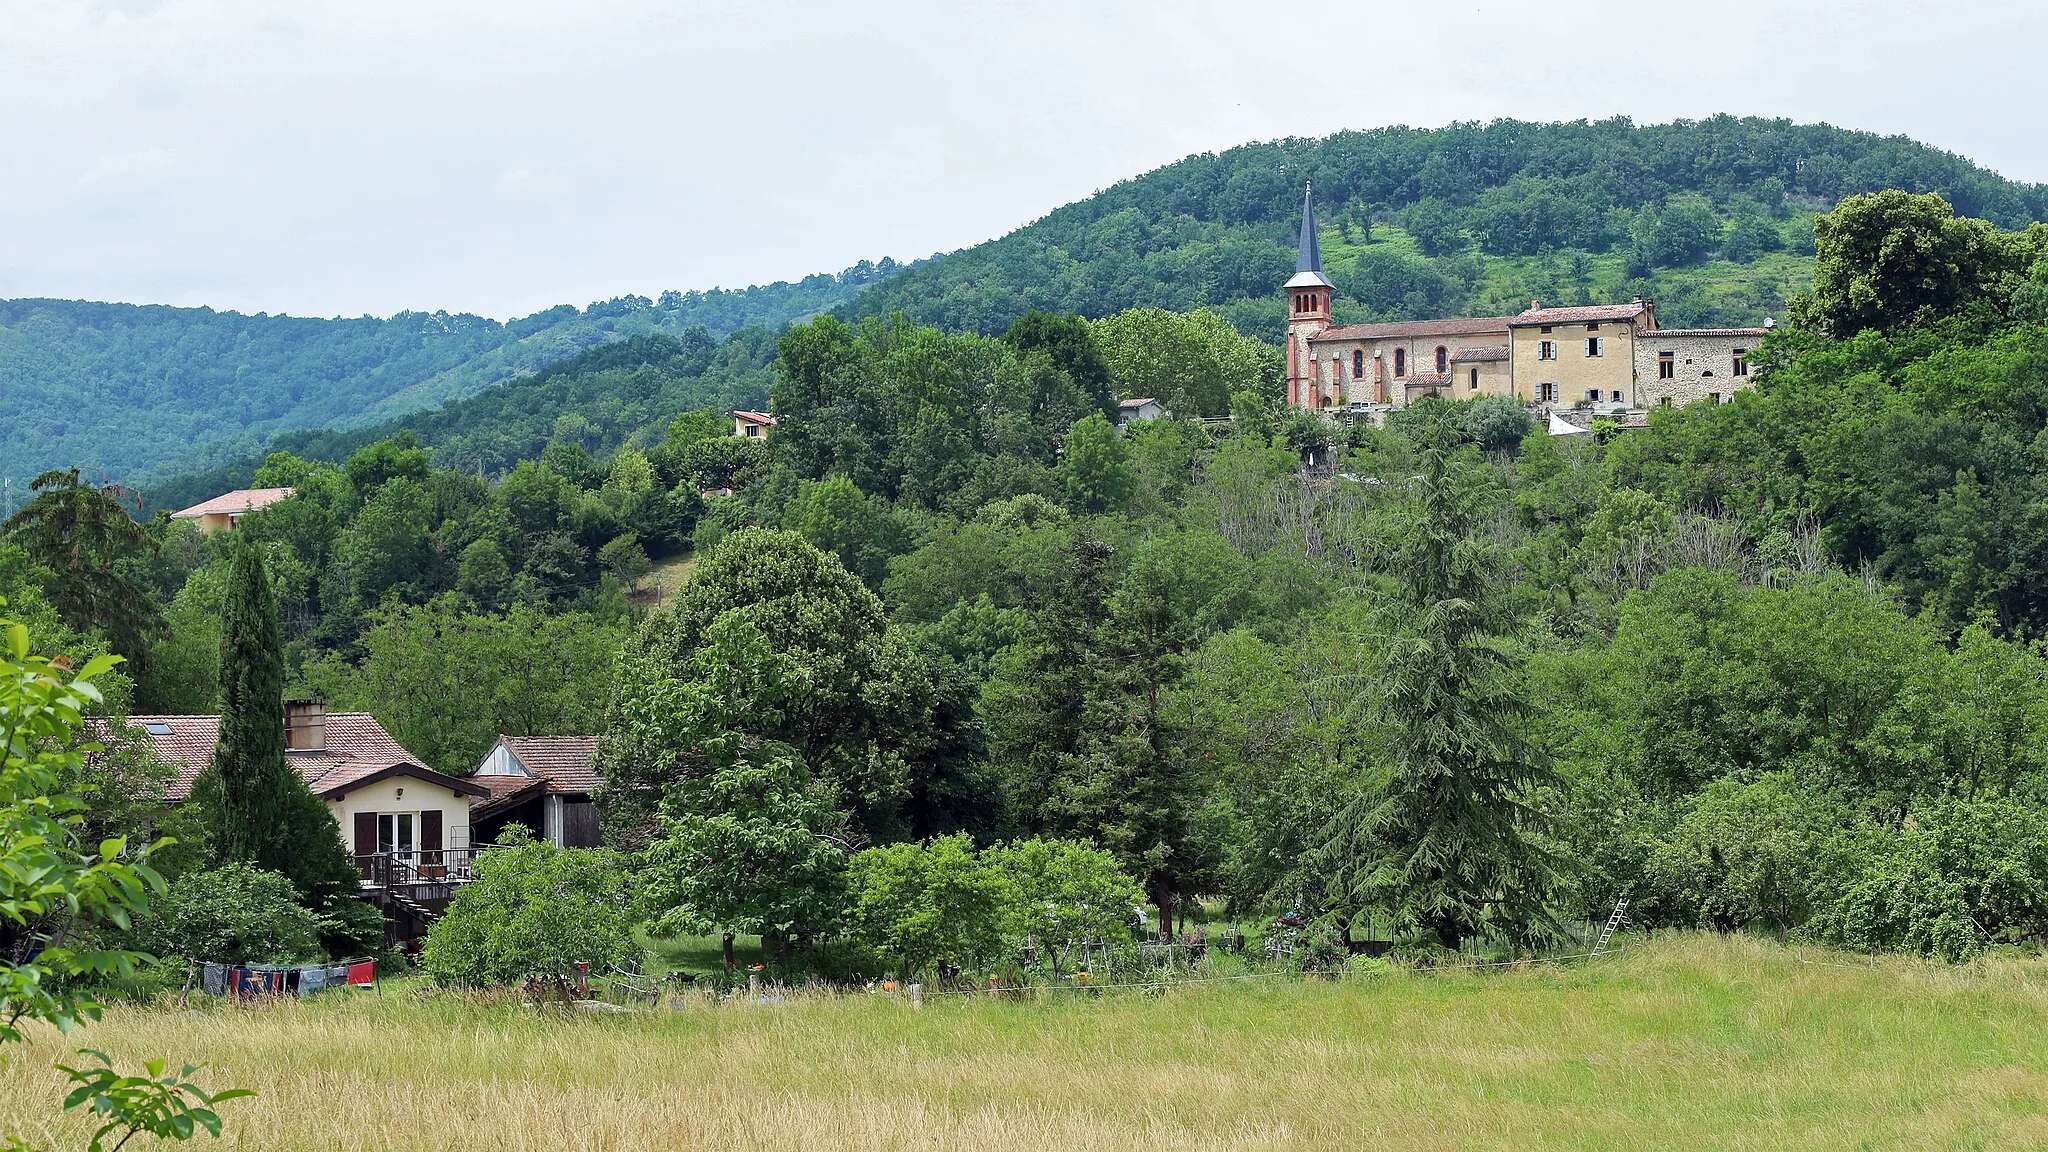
(1311, 259)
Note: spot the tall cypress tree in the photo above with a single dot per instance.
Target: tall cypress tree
(263, 812)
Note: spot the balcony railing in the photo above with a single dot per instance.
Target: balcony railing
(397, 869)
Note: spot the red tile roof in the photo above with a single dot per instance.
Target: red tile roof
(1425, 379)
(1490, 352)
(568, 763)
(1655, 332)
(234, 503)
(1466, 326)
(1579, 315)
(357, 748)
(755, 417)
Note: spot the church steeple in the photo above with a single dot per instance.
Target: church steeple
(1309, 385)
(1311, 259)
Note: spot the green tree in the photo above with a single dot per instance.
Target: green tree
(234, 914)
(1892, 259)
(78, 535)
(1068, 893)
(920, 903)
(1441, 832)
(262, 811)
(746, 834)
(1096, 467)
(1190, 361)
(534, 910)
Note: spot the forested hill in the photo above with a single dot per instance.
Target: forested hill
(1710, 218)
(596, 401)
(125, 391)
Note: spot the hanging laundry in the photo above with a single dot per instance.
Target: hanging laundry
(213, 979)
(312, 980)
(363, 972)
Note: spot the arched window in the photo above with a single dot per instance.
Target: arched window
(1357, 364)
(1400, 362)
(1443, 359)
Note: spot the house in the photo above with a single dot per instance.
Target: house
(1578, 355)
(543, 782)
(1141, 408)
(1601, 355)
(1681, 365)
(407, 826)
(751, 425)
(220, 513)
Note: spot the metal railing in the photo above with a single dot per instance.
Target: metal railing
(398, 869)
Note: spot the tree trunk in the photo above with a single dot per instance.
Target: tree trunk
(728, 952)
(1162, 894)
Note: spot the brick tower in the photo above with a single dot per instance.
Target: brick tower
(1308, 313)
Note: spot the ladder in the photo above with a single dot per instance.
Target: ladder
(1614, 924)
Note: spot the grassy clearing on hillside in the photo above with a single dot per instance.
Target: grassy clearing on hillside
(1688, 1042)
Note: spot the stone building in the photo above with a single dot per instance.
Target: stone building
(1604, 354)
(1681, 365)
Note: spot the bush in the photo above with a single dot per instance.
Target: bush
(533, 910)
(1958, 878)
(235, 914)
(918, 903)
(1747, 854)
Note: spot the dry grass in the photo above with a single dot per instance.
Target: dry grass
(1690, 1042)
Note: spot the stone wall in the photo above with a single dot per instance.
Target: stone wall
(1703, 364)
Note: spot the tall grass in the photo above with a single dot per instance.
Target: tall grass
(1688, 1042)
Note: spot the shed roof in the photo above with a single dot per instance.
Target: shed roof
(1490, 352)
(568, 763)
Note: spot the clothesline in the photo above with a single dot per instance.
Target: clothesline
(256, 981)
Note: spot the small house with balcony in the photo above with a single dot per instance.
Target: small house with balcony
(407, 826)
(220, 513)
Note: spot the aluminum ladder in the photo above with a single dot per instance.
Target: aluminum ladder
(1614, 924)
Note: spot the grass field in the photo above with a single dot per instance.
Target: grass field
(1685, 1042)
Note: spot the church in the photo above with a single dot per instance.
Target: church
(1609, 356)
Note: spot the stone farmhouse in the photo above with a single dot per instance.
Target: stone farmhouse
(1611, 355)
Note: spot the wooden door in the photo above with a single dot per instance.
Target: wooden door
(366, 844)
(430, 839)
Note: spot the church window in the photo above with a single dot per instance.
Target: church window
(1475, 379)
(1357, 364)
(1400, 362)
(1443, 359)
(1667, 365)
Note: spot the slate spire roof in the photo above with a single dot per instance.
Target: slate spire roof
(1308, 266)
(1311, 259)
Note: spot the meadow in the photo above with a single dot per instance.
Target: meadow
(1686, 1041)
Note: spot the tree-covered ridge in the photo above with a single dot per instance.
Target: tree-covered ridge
(127, 391)
(618, 392)
(1471, 218)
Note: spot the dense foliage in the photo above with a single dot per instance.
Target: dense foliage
(126, 390)
(1476, 218)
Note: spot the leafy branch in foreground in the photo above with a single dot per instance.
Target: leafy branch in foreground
(49, 891)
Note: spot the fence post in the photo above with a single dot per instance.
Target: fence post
(916, 995)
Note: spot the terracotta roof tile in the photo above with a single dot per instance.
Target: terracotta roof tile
(234, 503)
(755, 417)
(569, 763)
(357, 747)
(1656, 332)
(1461, 326)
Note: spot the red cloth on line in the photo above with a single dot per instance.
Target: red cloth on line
(363, 973)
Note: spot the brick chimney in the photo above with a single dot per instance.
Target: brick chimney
(305, 726)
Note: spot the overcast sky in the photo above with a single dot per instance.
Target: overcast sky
(501, 156)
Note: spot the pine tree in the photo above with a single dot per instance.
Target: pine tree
(1441, 834)
(263, 812)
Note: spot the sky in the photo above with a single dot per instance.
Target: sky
(503, 156)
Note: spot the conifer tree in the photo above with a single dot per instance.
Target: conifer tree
(1440, 833)
(263, 812)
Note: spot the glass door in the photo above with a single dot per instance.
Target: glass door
(396, 835)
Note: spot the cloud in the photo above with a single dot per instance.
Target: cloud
(116, 165)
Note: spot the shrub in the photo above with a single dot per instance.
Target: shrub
(1748, 854)
(234, 914)
(917, 903)
(533, 910)
(1068, 892)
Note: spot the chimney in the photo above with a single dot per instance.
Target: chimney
(305, 726)
(1535, 304)
(1636, 300)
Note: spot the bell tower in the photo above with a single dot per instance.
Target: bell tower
(1308, 313)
